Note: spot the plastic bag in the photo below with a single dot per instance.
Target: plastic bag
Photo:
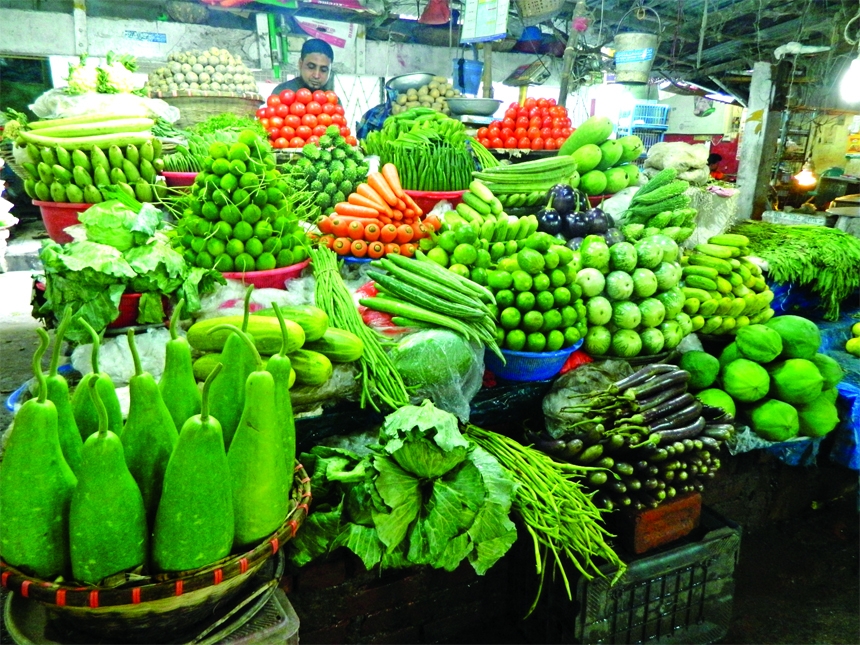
(442, 366)
(229, 299)
(115, 356)
(800, 451)
(846, 444)
(56, 104)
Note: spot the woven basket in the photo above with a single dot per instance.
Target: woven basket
(533, 12)
(197, 106)
(155, 609)
(9, 159)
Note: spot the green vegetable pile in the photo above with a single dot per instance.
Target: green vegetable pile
(331, 169)
(224, 127)
(126, 251)
(824, 259)
(425, 496)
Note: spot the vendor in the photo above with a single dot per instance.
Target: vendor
(714, 160)
(315, 63)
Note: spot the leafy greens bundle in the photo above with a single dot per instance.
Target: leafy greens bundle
(424, 496)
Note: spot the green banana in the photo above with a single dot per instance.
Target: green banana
(74, 194)
(130, 170)
(115, 156)
(80, 159)
(147, 151)
(81, 177)
(132, 154)
(64, 158)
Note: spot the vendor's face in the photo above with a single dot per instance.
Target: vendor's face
(314, 70)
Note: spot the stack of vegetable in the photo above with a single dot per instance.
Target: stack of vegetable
(645, 436)
(331, 168)
(567, 213)
(773, 377)
(852, 345)
(821, 258)
(432, 96)
(605, 165)
(239, 216)
(116, 76)
(201, 72)
(224, 127)
(293, 119)
(529, 176)
(724, 289)
(428, 149)
(73, 159)
(660, 207)
(537, 124)
(632, 296)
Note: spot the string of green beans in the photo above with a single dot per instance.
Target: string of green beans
(380, 381)
(561, 518)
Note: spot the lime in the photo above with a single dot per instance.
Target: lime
(249, 138)
(223, 263)
(235, 247)
(499, 280)
(510, 247)
(223, 231)
(554, 340)
(219, 197)
(238, 168)
(466, 234)
(551, 320)
(285, 258)
(535, 342)
(204, 260)
(497, 251)
(571, 336)
(228, 183)
(504, 298)
(544, 301)
(558, 278)
(198, 244)
(273, 194)
(448, 241)
(515, 340)
(207, 164)
(541, 282)
(197, 226)
(219, 150)
(530, 261)
(499, 336)
(252, 214)
(215, 246)
(510, 318)
(525, 301)
(243, 231)
(551, 259)
(568, 316)
(266, 262)
(438, 256)
(239, 151)
(565, 255)
(244, 262)
(230, 214)
(212, 181)
(209, 210)
(478, 275)
(561, 296)
(254, 247)
(460, 269)
(272, 245)
(484, 260)
(241, 198)
(262, 229)
(532, 321)
(220, 167)
(522, 280)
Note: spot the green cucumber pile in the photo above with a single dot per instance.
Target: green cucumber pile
(660, 207)
(530, 176)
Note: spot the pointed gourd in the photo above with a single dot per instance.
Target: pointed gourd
(194, 522)
(83, 407)
(36, 486)
(259, 476)
(227, 396)
(58, 394)
(107, 520)
(280, 367)
(177, 385)
(149, 435)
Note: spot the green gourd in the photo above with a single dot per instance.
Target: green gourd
(58, 394)
(149, 435)
(259, 476)
(177, 385)
(227, 398)
(279, 366)
(194, 522)
(83, 407)
(36, 486)
(107, 520)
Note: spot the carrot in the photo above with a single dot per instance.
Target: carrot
(366, 191)
(345, 208)
(389, 171)
(376, 181)
(401, 205)
(384, 219)
(398, 215)
(408, 213)
(411, 204)
(361, 200)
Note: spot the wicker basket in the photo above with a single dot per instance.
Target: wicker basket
(155, 609)
(9, 159)
(197, 106)
(533, 12)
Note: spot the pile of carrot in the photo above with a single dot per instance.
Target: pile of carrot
(379, 218)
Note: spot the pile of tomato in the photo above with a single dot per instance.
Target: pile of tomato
(293, 119)
(538, 124)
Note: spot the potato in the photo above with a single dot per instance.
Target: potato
(422, 91)
(412, 104)
(401, 100)
(440, 79)
(434, 93)
(450, 94)
(433, 85)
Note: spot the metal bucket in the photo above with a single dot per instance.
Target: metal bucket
(635, 50)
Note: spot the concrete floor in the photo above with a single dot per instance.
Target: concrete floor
(797, 580)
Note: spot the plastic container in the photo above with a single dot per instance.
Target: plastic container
(57, 216)
(272, 279)
(275, 624)
(426, 200)
(467, 75)
(129, 304)
(646, 114)
(528, 366)
(179, 179)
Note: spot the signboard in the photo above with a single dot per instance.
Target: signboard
(634, 55)
(484, 20)
(147, 36)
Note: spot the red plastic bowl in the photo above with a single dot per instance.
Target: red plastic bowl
(57, 216)
(273, 279)
(179, 179)
(426, 200)
(128, 307)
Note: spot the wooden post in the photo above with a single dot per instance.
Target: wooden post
(761, 129)
(487, 77)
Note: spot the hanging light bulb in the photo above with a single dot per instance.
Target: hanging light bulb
(806, 177)
(849, 86)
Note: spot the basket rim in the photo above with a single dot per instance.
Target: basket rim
(205, 94)
(238, 275)
(547, 355)
(166, 585)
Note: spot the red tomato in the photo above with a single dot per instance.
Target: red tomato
(351, 141)
(482, 133)
(309, 120)
(288, 97)
(324, 119)
(545, 133)
(522, 112)
(328, 108)
(273, 101)
(537, 144)
(313, 139)
(274, 133)
(534, 112)
(337, 119)
(298, 109)
(509, 123)
(314, 108)
(265, 123)
(550, 144)
(511, 142)
(530, 103)
(344, 131)
(319, 96)
(506, 133)
(293, 121)
(565, 132)
(276, 122)
(297, 142)
(331, 98)
(304, 95)
(519, 133)
(558, 122)
(270, 112)
(339, 110)
(281, 142)
(261, 113)
(493, 132)
(288, 132)
(303, 131)
(534, 133)
(282, 110)
(496, 142)
(319, 130)
(542, 103)
(484, 142)
(525, 143)
(567, 122)
(511, 113)
(523, 122)
(551, 102)
(546, 122)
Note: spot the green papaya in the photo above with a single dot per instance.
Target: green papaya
(194, 522)
(36, 486)
(58, 393)
(177, 385)
(83, 406)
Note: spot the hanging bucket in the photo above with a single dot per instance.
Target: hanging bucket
(467, 75)
(635, 51)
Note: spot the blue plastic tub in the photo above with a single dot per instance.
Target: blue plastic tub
(13, 402)
(528, 366)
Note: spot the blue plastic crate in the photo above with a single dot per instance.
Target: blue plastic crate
(648, 114)
(528, 366)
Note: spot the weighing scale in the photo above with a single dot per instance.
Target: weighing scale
(534, 73)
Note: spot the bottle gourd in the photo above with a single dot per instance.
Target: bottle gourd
(58, 394)
(280, 367)
(177, 385)
(82, 401)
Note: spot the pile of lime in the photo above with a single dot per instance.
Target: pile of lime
(236, 217)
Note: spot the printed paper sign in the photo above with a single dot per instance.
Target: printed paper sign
(485, 20)
(336, 34)
(147, 36)
(634, 55)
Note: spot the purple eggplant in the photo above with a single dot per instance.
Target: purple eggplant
(549, 221)
(614, 236)
(577, 226)
(574, 243)
(562, 199)
(597, 222)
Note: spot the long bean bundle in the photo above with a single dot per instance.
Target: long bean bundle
(559, 515)
(380, 381)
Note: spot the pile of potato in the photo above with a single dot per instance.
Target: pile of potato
(212, 70)
(432, 95)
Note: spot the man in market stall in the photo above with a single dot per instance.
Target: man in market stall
(315, 73)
